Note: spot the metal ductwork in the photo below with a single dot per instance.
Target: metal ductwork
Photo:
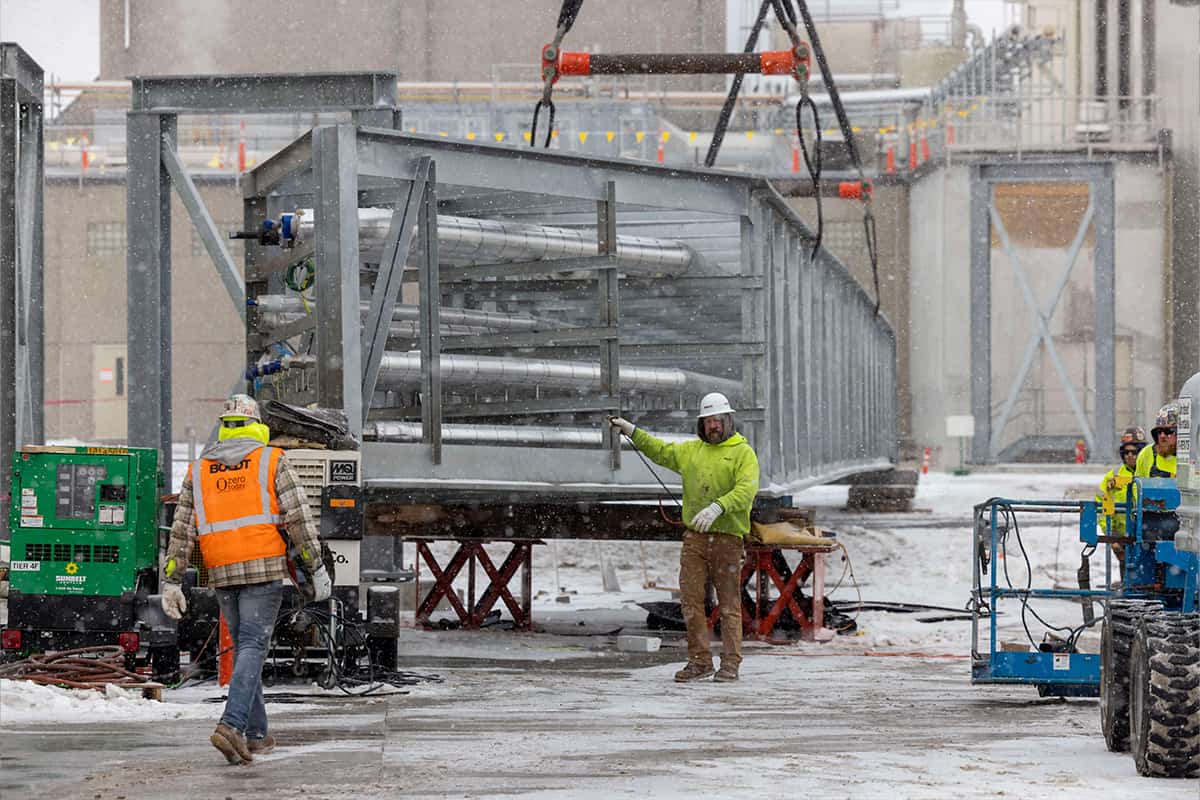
(403, 370)
(465, 240)
(399, 329)
(535, 435)
(291, 304)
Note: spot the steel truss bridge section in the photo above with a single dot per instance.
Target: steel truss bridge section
(527, 351)
(22, 297)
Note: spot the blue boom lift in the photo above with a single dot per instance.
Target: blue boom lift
(1147, 674)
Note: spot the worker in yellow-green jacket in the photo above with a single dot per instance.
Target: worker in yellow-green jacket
(1157, 459)
(719, 471)
(1115, 484)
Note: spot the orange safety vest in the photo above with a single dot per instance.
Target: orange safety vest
(237, 512)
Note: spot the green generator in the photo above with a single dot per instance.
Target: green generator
(84, 552)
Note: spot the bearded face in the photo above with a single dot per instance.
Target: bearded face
(716, 429)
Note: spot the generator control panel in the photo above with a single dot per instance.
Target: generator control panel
(83, 519)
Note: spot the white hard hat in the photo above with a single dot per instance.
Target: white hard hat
(241, 405)
(714, 403)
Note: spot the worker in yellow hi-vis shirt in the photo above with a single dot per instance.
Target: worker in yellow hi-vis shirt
(1115, 486)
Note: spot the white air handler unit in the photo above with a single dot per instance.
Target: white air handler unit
(1188, 466)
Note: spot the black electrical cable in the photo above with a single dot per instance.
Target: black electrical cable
(1011, 524)
(847, 134)
(718, 136)
(812, 162)
(669, 493)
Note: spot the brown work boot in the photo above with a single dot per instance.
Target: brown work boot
(726, 674)
(693, 672)
(259, 746)
(232, 744)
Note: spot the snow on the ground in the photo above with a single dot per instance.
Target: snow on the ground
(920, 557)
(23, 703)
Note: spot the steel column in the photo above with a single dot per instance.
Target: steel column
(9, 270)
(981, 316)
(32, 427)
(609, 314)
(148, 215)
(429, 291)
(339, 366)
(1104, 275)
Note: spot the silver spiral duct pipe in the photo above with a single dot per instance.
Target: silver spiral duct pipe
(290, 304)
(403, 370)
(401, 329)
(486, 241)
(535, 435)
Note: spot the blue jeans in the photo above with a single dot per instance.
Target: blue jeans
(250, 613)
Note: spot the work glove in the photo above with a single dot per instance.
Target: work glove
(705, 517)
(623, 425)
(322, 586)
(173, 602)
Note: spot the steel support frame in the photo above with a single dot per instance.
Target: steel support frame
(470, 554)
(22, 321)
(1100, 214)
(766, 566)
(153, 165)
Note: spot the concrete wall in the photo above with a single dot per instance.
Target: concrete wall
(939, 327)
(447, 40)
(86, 307)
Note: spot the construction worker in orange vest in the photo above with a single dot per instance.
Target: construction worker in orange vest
(237, 500)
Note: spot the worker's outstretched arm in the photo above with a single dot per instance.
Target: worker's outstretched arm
(665, 454)
(740, 498)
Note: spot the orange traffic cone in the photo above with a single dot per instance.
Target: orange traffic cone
(225, 661)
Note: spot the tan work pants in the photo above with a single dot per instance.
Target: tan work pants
(715, 557)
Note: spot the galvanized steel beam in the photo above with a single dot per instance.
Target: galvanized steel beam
(214, 245)
(148, 288)
(21, 270)
(265, 93)
(388, 154)
(339, 365)
(387, 283)
(429, 290)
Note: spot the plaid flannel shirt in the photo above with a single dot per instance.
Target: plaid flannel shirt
(297, 522)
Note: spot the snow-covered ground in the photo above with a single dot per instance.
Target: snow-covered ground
(886, 712)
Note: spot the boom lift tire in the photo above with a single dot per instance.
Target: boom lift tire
(1164, 696)
(1116, 637)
